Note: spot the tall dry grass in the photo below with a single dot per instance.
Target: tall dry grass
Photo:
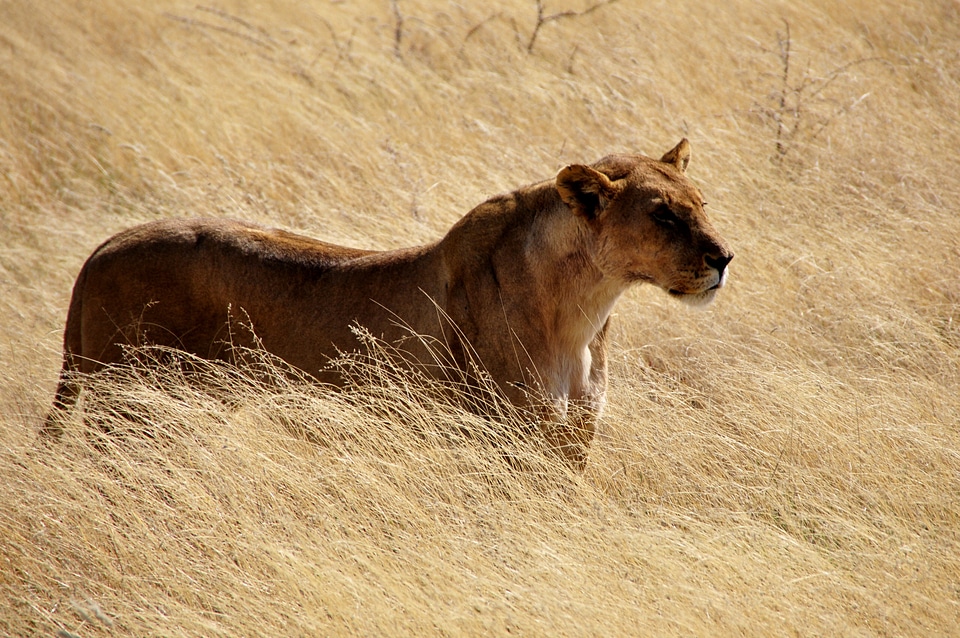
(784, 463)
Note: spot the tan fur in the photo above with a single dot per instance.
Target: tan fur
(524, 284)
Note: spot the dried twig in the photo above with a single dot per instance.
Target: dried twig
(493, 18)
(398, 27)
(232, 18)
(793, 97)
(544, 19)
(784, 46)
(342, 48)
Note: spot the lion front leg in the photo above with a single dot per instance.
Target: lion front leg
(569, 429)
(578, 426)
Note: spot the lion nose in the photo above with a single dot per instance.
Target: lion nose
(718, 261)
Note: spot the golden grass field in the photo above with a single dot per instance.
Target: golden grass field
(784, 463)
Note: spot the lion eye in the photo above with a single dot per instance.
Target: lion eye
(665, 217)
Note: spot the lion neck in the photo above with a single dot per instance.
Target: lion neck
(531, 238)
(560, 250)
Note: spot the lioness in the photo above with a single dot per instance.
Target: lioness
(523, 285)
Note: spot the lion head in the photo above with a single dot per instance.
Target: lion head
(648, 223)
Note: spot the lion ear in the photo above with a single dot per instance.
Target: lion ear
(678, 156)
(585, 190)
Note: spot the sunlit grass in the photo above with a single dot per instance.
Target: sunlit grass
(786, 462)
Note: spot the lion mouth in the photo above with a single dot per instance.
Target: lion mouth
(715, 287)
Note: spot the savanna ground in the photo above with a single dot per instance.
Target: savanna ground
(786, 462)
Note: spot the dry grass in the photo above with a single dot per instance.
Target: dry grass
(785, 463)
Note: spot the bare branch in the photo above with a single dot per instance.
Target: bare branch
(784, 46)
(544, 19)
(398, 28)
(232, 18)
(794, 96)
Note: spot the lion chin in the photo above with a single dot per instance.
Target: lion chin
(696, 299)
